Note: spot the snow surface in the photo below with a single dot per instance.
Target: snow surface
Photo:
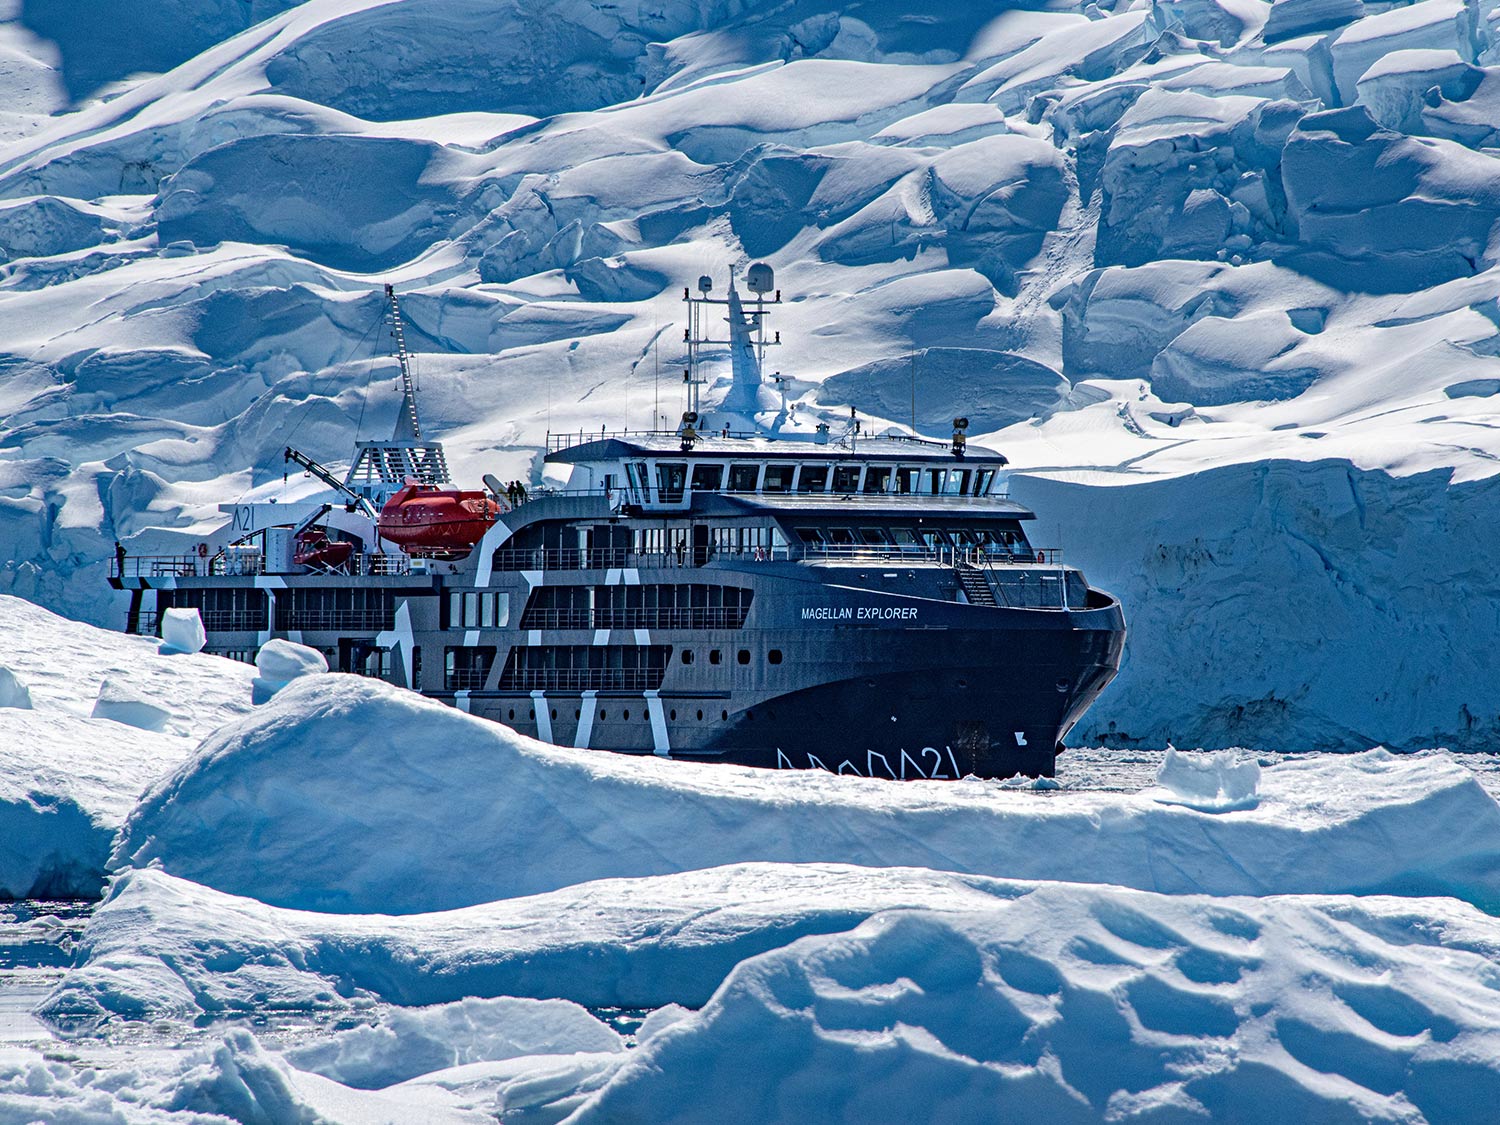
(349, 795)
(69, 777)
(1170, 246)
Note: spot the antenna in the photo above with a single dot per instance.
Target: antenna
(408, 415)
(914, 392)
(751, 336)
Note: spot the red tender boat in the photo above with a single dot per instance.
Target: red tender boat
(316, 550)
(425, 520)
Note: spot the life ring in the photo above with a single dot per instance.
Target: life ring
(1041, 556)
(203, 550)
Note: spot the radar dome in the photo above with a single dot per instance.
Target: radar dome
(760, 278)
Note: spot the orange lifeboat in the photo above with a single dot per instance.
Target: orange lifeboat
(314, 549)
(428, 521)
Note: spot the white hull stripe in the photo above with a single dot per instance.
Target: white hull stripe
(585, 721)
(543, 716)
(660, 744)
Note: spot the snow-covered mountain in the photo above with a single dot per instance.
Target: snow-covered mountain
(1218, 275)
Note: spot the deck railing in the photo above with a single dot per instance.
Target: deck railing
(243, 563)
(872, 554)
(705, 617)
(582, 679)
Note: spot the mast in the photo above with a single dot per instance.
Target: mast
(408, 424)
(381, 468)
(747, 342)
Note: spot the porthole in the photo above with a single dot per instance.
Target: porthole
(700, 716)
(577, 714)
(1063, 686)
(714, 656)
(724, 716)
(674, 714)
(963, 683)
(743, 656)
(774, 656)
(687, 656)
(554, 712)
(531, 714)
(602, 716)
(512, 713)
(749, 716)
(627, 716)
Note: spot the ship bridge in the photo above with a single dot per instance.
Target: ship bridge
(664, 470)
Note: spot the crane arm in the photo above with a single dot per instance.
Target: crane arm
(330, 480)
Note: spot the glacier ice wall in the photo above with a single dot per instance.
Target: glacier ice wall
(1221, 278)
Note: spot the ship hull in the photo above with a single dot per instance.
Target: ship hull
(923, 703)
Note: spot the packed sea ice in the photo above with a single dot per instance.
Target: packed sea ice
(354, 905)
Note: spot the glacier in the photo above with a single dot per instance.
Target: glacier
(1152, 249)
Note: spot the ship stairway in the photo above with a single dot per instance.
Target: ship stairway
(975, 585)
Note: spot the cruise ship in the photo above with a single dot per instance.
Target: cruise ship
(748, 587)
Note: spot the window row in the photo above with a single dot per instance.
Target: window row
(672, 479)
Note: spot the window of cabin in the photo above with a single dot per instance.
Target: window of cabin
(779, 478)
(809, 534)
(639, 478)
(878, 478)
(904, 536)
(932, 537)
(958, 481)
(671, 479)
(814, 478)
(982, 480)
(707, 478)
(743, 478)
(841, 536)
(873, 535)
(846, 478)
(937, 480)
(908, 480)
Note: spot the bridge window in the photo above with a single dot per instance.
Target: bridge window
(958, 482)
(814, 479)
(707, 478)
(878, 478)
(873, 535)
(937, 480)
(779, 478)
(809, 534)
(842, 536)
(671, 479)
(982, 481)
(908, 480)
(846, 478)
(743, 478)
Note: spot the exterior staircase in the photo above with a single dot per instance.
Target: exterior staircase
(974, 584)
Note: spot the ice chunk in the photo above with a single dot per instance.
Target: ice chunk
(409, 1042)
(1220, 359)
(1400, 85)
(182, 631)
(122, 703)
(13, 693)
(1216, 782)
(279, 662)
(1290, 18)
(1382, 212)
(1428, 24)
